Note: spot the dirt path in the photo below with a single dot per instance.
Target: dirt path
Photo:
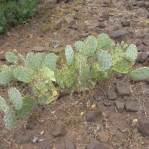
(110, 117)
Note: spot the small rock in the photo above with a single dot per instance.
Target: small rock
(65, 143)
(111, 94)
(132, 106)
(134, 122)
(93, 106)
(143, 128)
(2, 57)
(101, 25)
(58, 130)
(35, 140)
(98, 145)
(42, 132)
(123, 88)
(82, 113)
(119, 106)
(147, 81)
(141, 48)
(91, 116)
(142, 56)
(119, 34)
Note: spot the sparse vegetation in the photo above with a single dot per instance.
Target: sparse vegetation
(93, 60)
(13, 12)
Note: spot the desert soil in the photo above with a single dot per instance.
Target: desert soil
(115, 115)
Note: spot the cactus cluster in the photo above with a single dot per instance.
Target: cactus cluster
(46, 74)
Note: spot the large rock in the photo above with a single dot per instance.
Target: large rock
(92, 116)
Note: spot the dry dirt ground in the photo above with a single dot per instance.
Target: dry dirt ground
(115, 115)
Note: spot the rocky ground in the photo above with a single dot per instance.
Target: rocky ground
(115, 115)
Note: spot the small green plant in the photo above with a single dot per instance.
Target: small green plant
(47, 74)
(13, 12)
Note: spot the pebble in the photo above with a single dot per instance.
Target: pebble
(58, 130)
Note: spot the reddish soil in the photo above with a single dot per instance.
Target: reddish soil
(112, 113)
